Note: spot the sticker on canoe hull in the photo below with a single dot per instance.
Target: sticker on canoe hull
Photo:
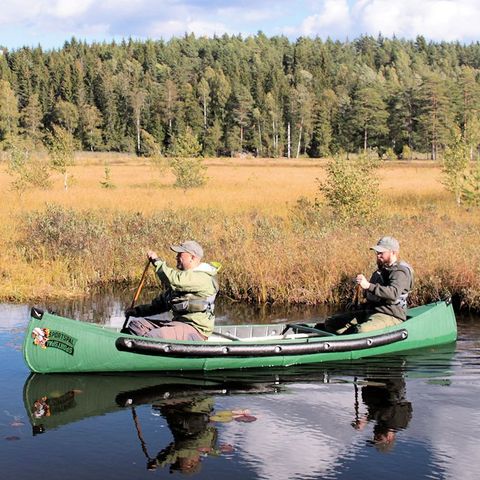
(46, 338)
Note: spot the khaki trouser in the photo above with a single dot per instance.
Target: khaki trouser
(361, 322)
(378, 321)
(171, 331)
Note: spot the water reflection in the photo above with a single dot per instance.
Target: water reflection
(389, 409)
(193, 434)
(107, 307)
(120, 425)
(315, 406)
(58, 399)
(187, 405)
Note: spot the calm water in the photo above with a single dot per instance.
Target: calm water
(411, 417)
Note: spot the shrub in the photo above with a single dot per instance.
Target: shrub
(28, 170)
(455, 165)
(61, 147)
(351, 187)
(186, 165)
(406, 153)
(470, 193)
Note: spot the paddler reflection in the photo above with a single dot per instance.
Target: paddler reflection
(192, 424)
(387, 407)
(194, 435)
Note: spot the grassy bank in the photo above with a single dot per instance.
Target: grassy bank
(59, 243)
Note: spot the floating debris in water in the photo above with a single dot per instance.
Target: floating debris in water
(239, 415)
(245, 418)
(226, 448)
(17, 423)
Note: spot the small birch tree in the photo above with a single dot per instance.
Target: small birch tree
(61, 147)
(186, 163)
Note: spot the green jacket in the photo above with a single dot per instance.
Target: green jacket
(197, 286)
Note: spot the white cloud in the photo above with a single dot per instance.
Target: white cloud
(68, 9)
(177, 28)
(434, 19)
(31, 21)
(437, 20)
(333, 19)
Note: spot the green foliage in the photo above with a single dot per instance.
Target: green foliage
(186, 164)
(389, 154)
(66, 115)
(89, 125)
(186, 145)
(238, 95)
(455, 165)
(149, 146)
(61, 147)
(189, 172)
(406, 152)
(62, 232)
(107, 181)
(470, 194)
(8, 111)
(28, 167)
(351, 187)
(31, 120)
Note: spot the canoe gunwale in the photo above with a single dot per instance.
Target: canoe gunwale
(240, 349)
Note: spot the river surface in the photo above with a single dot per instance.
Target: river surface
(415, 416)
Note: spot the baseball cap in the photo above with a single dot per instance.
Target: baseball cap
(189, 246)
(386, 244)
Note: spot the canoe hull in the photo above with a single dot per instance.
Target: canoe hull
(55, 344)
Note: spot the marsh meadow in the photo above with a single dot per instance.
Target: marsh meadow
(263, 219)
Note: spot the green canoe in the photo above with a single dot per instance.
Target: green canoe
(54, 344)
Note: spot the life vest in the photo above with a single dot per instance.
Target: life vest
(191, 303)
(401, 301)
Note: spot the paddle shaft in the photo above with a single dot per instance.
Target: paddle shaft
(140, 285)
(138, 291)
(139, 434)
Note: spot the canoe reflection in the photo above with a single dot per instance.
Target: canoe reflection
(186, 404)
(314, 405)
(55, 400)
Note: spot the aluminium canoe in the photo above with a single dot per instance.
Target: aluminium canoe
(54, 344)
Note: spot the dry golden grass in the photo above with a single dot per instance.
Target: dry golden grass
(269, 254)
(271, 185)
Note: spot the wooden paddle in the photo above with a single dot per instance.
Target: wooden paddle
(358, 298)
(140, 436)
(137, 292)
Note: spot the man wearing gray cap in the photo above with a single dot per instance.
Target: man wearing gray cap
(386, 293)
(190, 292)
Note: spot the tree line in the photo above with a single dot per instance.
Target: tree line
(263, 96)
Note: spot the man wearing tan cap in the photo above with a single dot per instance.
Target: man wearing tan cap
(386, 293)
(190, 291)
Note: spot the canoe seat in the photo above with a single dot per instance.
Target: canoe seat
(252, 333)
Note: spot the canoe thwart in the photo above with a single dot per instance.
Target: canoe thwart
(300, 327)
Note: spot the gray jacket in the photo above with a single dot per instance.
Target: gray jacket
(389, 289)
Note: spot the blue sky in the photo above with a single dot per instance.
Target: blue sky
(51, 22)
